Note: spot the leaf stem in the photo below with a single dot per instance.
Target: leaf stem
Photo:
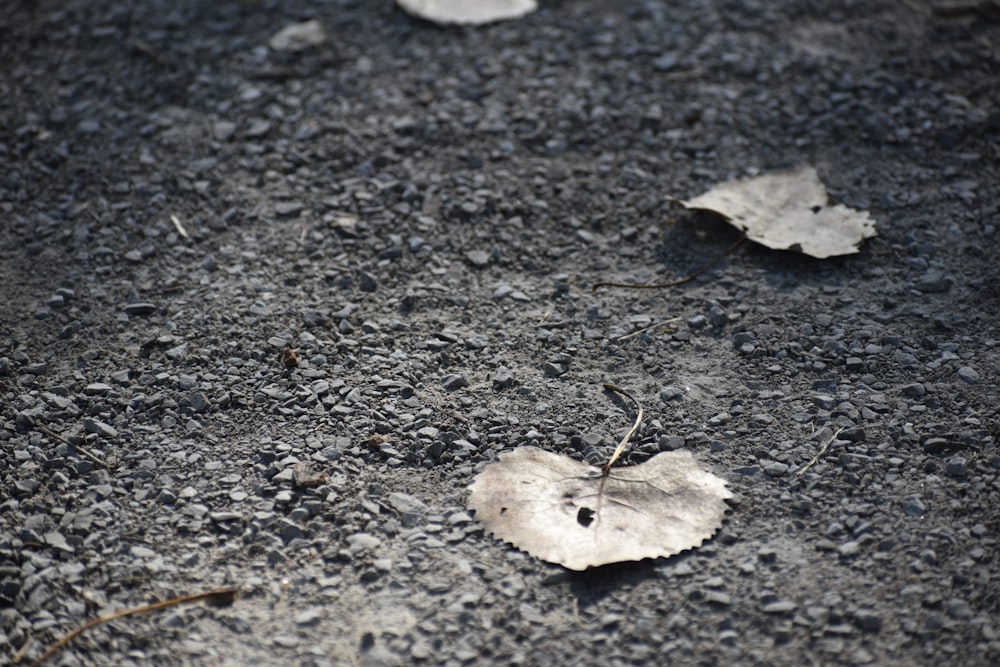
(606, 468)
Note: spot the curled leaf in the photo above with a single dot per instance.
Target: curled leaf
(788, 210)
(571, 513)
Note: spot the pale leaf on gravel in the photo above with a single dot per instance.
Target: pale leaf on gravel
(788, 210)
(468, 12)
(571, 513)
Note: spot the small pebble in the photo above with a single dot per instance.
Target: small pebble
(913, 506)
(137, 309)
(454, 381)
(778, 607)
(100, 428)
(968, 375)
(503, 378)
(957, 467)
(308, 617)
(478, 258)
(868, 620)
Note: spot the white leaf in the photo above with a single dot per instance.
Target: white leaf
(468, 12)
(567, 512)
(788, 210)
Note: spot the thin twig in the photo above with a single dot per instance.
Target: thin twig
(222, 595)
(679, 281)
(16, 658)
(822, 450)
(645, 329)
(80, 448)
(179, 227)
(606, 468)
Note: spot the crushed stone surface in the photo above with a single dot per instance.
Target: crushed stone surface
(266, 313)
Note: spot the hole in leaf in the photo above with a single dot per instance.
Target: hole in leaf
(503, 510)
(585, 517)
(817, 209)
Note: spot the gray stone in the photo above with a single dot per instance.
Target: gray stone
(100, 428)
(289, 531)
(503, 378)
(308, 617)
(669, 443)
(403, 503)
(360, 541)
(718, 598)
(287, 208)
(957, 467)
(778, 607)
(849, 549)
(367, 282)
(478, 258)
(137, 309)
(58, 541)
(824, 401)
(959, 609)
(934, 282)
(199, 402)
(744, 342)
(718, 316)
(223, 130)
(775, 469)
(913, 506)
(868, 620)
(671, 393)
(968, 375)
(553, 370)
(454, 381)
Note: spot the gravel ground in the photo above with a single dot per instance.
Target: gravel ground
(419, 214)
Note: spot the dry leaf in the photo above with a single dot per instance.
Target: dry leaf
(788, 210)
(468, 12)
(567, 512)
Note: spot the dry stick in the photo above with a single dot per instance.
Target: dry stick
(606, 468)
(645, 329)
(679, 281)
(222, 595)
(822, 450)
(79, 448)
(16, 658)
